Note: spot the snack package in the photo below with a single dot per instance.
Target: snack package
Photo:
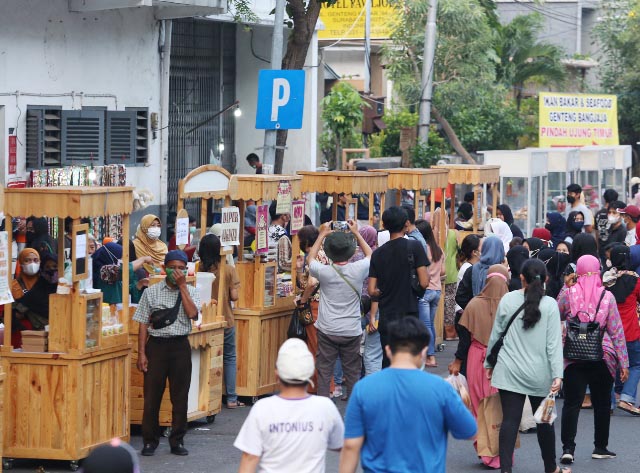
(459, 383)
(546, 413)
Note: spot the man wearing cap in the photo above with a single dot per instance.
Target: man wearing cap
(292, 431)
(339, 319)
(164, 352)
(630, 216)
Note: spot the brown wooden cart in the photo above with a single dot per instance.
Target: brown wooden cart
(66, 401)
(261, 318)
(347, 182)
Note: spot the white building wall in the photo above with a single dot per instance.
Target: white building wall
(45, 49)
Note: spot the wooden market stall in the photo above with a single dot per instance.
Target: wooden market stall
(207, 335)
(263, 311)
(347, 182)
(479, 176)
(72, 393)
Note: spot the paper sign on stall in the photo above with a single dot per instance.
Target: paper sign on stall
(262, 227)
(230, 235)
(81, 245)
(182, 231)
(283, 205)
(297, 216)
(5, 293)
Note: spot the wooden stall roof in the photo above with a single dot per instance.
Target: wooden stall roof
(349, 182)
(261, 186)
(205, 182)
(415, 178)
(74, 202)
(471, 173)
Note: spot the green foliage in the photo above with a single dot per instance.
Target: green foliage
(481, 113)
(618, 34)
(341, 119)
(395, 121)
(530, 113)
(242, 12)
(424, 156)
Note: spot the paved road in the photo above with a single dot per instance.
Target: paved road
(212, 451)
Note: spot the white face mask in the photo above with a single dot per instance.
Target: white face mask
(31, 269)
(608, 263)
(613, 219)
(154, 232)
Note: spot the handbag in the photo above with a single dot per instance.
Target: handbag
(363, 312)
(492, 357)
(164, 317)
(583, 341)
(413, 275)
(303, 312)
(296, 328)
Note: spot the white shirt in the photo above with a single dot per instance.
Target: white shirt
(631, 238)
(586, 211)
(463, 269)
(291, 435)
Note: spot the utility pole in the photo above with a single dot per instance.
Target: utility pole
(427, 73)
(277, 42)
(367, 49)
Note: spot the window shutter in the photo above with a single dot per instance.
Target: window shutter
(82, 137)
(35, 138)
(43, 136)
(121, 137)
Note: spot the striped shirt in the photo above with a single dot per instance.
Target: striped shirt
(161, 296)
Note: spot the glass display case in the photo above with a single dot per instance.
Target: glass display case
(597, 173)
(622, 176)
(523, 184)
(563, 169)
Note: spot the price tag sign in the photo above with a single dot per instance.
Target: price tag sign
(297, 216)
(182, 231)
(230, 235)
(283, 205)
(5, 269)
(262, 227)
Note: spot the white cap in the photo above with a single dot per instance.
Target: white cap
(216, 229)
(635, 180)
(295, 362)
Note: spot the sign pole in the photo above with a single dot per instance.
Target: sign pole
(427, 73)
(276, 63)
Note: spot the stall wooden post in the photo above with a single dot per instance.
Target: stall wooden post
(73, 395)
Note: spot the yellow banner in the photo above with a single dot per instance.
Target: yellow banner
(577, 120)
(345, 19)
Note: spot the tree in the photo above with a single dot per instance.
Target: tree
(618, 33)
(523, 58)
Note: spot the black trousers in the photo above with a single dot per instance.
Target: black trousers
(577, 377)
(169, 358)
(512, 404)
(383, 322)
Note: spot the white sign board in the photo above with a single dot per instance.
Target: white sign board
(283, 205)
(182, 231)
(230, 235)
(5, 293)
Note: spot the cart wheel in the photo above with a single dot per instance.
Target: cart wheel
(210, 419)
(7, 463)
(167, 432)
(74, 465)
(441, 346)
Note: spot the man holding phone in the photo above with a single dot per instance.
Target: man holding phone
(165, 313)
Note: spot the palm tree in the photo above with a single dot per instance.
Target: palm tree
(522, 58)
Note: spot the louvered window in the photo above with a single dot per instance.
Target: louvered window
(82, 137)
(43, 136)
(121, 132)
(141, 135)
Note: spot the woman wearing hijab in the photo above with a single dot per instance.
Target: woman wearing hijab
(470, 286)
(542, 234)
(39, 238)
(478, 319)
(534, 245)
(497, 227)
(29, 263)
(107, 274)
(516, 258)
(575, 224)
(465, 214)
(450, 285)
(588, 301)
(504, 213)
(624, 284)
(556, 224)
(556, 264)
(147, 240)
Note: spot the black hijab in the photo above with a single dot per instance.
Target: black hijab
(505, 210)
(572, 228)
(626, 282)
(41, 241)
(535, 246)
(583, 244)
(466, 210)
(556, 264)
(516, 258)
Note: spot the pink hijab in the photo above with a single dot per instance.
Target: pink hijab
(370, 235)
(585, 294)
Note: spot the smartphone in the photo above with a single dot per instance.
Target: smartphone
(340, 226)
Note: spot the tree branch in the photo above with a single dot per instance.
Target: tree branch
(452, 136)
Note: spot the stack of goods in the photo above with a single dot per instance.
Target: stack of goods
(35, 340)
(284, 285)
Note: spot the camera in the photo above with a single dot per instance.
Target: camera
(340, 226)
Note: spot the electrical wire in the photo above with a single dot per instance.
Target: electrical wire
(548, 14)
(346, 33)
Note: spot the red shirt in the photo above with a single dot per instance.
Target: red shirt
(629, 314)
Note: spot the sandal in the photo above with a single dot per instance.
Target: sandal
(562, 470)
(235, 405)
(629, 408)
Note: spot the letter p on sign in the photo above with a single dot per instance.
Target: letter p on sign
(280, 99)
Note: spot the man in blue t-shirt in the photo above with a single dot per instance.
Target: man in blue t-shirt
(398, 419)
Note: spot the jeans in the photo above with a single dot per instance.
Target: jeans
(512, 404)
(630, 388)
(372, 358)
(329, 348)
(576, 378)
(229, 363)
(337, 373)
(427, 307)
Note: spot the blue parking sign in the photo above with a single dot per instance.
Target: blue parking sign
(280, 100)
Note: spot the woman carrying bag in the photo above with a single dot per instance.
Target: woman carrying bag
(587, 301)
(529, 362)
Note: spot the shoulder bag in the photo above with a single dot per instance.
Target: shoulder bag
(492, 357)
(413, 275)
(303, 311)
(583, 341)
(364, 300)
(164, 317)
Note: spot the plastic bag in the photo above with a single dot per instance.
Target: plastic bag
(459, 383)
(546, 412)
(296, 328)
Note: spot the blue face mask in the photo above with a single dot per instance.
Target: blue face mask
(577, 226)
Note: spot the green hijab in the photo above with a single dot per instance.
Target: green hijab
(451, 252)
